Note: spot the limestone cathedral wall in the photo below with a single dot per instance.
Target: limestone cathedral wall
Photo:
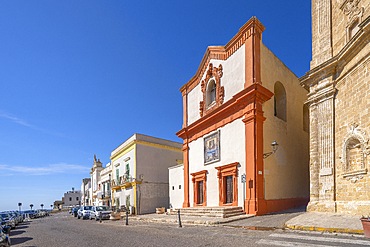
(339, 82)
(352, 131)
(345, 14)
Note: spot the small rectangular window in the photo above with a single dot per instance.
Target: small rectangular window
(353, 29)
(117, 175)
(173, 187)
(180, 187)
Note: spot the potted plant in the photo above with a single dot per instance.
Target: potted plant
(365, 220)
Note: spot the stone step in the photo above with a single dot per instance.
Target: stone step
(218, 212)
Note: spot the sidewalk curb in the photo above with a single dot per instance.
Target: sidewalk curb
(198, 221)
(324, 229)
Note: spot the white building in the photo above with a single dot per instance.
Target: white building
(86, 191)
(176, 185)
(96, 181)
(104, 188)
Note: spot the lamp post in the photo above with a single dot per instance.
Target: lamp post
(274, 146)
(110, 191)
(42, 206)
(243, 180)
(19, 205)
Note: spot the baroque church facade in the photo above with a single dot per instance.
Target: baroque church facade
(241, 102)
(339, 106)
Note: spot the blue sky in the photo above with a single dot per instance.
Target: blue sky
(79, 77)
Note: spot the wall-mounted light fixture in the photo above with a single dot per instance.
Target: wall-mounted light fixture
(274, 146)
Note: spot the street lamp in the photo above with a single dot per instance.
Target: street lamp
(274, 146)
(19, 205)
(109, 191)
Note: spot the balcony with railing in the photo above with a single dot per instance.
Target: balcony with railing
(123, 181)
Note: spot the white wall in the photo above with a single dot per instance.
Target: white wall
(176, 185)
(120, 164)
(232, 146)
(233, 81)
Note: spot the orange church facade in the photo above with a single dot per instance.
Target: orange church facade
(242, 99)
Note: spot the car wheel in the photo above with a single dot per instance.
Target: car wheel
(78, 217)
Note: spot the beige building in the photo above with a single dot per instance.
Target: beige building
(140, 173)
(241, 99)
(71, 198)
(339, 103)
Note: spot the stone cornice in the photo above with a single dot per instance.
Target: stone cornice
(124, 150)
(236, 107)
(336, 63)
(322, 95)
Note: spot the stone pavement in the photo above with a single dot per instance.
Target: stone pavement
(327, 222)
(295, 219)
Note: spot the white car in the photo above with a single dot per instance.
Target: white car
(100, 213)
(84, 212)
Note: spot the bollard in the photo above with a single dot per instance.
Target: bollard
(178, 213)
(126, 218)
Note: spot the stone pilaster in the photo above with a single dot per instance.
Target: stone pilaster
(321, 32)
(185, 150)
(322, 160)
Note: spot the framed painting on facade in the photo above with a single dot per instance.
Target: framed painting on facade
(212, 148)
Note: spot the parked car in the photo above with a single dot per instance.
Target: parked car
(30, 213)
(18, 215)
(10, 221)
(3, 222)
(100, 213)
(4, 236)
(13, 216)
(84, 212)
(74, 211)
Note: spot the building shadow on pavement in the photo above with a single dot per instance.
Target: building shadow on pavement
(270, 221)
(298, 210)
(16, 232)
(22, 227)
(21, 240)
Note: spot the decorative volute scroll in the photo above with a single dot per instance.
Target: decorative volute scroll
(213, 92)
(352, 10)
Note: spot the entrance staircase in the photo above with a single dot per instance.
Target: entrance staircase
(218, 212)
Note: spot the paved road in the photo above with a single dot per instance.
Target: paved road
(64, 230)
